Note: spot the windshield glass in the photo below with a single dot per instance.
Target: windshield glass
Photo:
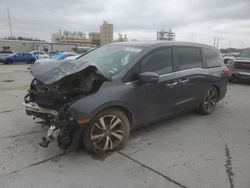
(245, 53)
(111, 59)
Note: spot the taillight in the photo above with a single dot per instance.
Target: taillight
(226, 72)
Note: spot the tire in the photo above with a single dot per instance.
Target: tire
(9, 61)
(31, 61)
(100, 136)
(209, 101)
(232, 79)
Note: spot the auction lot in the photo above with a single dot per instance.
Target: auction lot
(188, 150)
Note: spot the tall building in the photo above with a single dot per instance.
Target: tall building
(165, 35)
(95, 38)
(106, 33)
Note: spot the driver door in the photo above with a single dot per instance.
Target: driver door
(156, 100)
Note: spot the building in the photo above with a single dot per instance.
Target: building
(79, 38)
(69, 35)
(165, 35)
(106, 33)
(95, 38)
(121, 38)
(27, 46)
(79, 42)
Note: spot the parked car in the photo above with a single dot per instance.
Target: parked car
(4, 54)
(228, 57)
(39, 54)
(52, 53)
(81, 50)
(80, 54)
(19, 57)
(122, 86)
(239, 68)
(60, 56)
(74, 57)
(63, 55)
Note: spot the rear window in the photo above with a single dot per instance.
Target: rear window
(212, 58)
(189, 57)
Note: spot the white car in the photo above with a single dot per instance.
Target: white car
(39, 54)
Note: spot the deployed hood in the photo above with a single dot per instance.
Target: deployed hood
(52, 71)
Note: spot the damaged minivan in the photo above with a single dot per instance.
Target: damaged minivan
(100, 97)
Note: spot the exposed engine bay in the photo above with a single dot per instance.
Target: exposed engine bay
(50, 101)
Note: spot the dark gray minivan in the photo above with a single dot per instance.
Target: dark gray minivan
(98, 98)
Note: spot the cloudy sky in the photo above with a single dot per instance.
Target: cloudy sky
(192, 20)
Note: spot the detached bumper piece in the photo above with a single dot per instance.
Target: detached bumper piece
(52, 135)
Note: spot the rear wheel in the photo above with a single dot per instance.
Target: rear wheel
(31, 61)
(209, 101)
(232, 79)
(108, 131)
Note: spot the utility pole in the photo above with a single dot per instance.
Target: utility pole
(218, 39)
(216, 42)
(8, 11)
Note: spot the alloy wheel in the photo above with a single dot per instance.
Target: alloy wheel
(107, 132)
(210, 100)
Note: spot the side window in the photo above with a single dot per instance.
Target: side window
(159, 61)
(189, 57)
(212, 58)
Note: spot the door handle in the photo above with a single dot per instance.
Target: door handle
(171, 84)
(184, 81)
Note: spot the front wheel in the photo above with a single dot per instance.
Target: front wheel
(209, 101)
(108, 131)
(9, 61)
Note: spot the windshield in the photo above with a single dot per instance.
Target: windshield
(111, 59)
(245, 53)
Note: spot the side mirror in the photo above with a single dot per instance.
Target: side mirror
(148, 77)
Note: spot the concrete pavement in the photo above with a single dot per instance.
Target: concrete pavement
(188, 150)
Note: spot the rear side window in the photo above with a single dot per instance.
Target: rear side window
(189, 57)
(159, 61)
(211, 58)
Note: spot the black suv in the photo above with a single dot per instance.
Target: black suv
(239, 68)
(98, 98)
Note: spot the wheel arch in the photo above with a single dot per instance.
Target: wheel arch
(217, 89)
(122, 108)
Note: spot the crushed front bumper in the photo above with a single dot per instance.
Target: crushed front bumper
(68, 134)
(32, 107)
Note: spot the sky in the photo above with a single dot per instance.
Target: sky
(192, 20)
